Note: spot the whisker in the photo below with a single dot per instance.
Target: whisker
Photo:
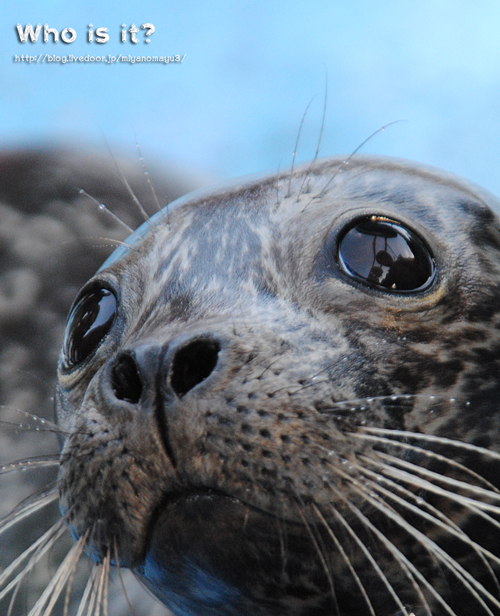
(293, 391)
(100, 586)
(472, 505)
(132, 193)
(28, 463)
(318, 147)
(351, 177)
(96, 573)
(55, 586)
(428, 454)
(280, 526)
(84, 601)
(126, 183)
(13, 600)
(346, 559)
(322, 558)
(40, 423)
(69, 586)
(436, 517)
(372, 561)
(148, 179)
(277, 184)
(408, 567)
(362, 403)
(69, 577)
(40, 547)
(440, 440)
(323, 124)
(404, 563)
(77, 412)
(450, 481)
(103, 576)
(108, 242)
(354, 152)
(27, 428)
(107, 564)
(116, 218)
(120, 575)
(433, 548)
(296, 148)
(275, 361)
(27, 507)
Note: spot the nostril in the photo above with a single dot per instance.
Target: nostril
(192, 364)
(125, 379)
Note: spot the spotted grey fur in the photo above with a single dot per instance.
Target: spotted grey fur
(341, 455)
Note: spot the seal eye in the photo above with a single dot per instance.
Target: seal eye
(89, 322)
(383, 254)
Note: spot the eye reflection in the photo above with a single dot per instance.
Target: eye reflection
(89, 322)
(384, 254)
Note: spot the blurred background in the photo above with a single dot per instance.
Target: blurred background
(235, 103)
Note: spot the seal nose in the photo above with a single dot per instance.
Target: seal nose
(192, 364)
(137, 369)
(133, 371)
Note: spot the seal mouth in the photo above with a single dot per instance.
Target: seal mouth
(189, 515)
(205, 543)
(185, 514)
(194, 530)
(189, 512)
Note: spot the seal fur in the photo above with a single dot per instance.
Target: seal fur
(258, 432)
(218, 400)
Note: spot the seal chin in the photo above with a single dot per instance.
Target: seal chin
(195, 543)
(208, 551)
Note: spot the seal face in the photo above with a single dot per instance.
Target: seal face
(282, 398)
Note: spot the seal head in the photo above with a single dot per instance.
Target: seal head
(282, 397)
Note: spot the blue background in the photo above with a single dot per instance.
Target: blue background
(251, 68)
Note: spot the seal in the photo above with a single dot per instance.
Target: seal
(280, 398)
